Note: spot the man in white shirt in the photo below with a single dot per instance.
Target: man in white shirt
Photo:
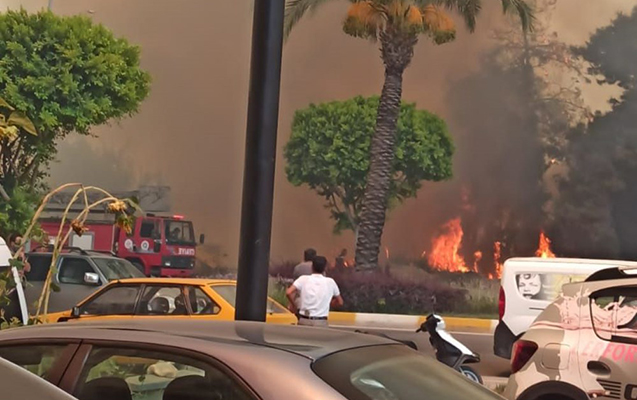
(316, 293)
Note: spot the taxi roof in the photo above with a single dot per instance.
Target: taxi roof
(177, 281)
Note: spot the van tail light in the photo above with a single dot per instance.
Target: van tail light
(501, 303)
(523, 350)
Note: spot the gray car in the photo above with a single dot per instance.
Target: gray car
(78, 274)
(196, 360)
(19, 384)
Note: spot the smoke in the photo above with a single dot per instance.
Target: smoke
(190, 132)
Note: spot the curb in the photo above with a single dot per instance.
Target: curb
(409, 322)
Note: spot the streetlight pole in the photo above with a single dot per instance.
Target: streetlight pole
(260, 154)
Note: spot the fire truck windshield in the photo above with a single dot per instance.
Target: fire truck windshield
(179, 232)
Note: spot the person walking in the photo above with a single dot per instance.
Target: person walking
(305, 267)
(316, 294)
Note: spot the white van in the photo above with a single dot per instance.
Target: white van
(529, 285)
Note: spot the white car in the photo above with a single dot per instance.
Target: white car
(529, 285)
(584, 345)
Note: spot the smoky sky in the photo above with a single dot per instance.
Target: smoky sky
(190, 132)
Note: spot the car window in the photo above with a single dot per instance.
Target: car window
(162, 300)
(40, 265)
(547, 287)
(73, 269)
(124, 373)
(200, 303)
(36, 359)
(119, 300)
(116, 268)
(394, 373)
(614, 314)
(229, 294)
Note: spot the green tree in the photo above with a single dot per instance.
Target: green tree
(397, 24)
(329, 152)
(68, 75)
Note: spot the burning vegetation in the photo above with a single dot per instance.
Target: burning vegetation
(447, 249)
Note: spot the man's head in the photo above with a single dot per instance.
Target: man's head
(318, 264)
(309, 254)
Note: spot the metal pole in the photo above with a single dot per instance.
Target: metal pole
(50, 5)
(260, 154)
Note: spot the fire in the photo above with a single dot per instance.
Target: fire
(444, 254)
(544, 248)
(497, 259)
(477, 256)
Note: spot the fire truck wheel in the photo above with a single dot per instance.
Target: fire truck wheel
(155, 272)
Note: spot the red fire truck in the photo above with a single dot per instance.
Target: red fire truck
(158, 245)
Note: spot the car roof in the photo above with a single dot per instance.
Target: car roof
(560, 260)
(178, 281)
(308, 342)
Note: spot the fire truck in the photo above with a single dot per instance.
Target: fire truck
(159, 245)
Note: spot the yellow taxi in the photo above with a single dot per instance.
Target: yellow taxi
(207, 299)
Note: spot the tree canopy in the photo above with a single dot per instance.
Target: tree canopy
(66, 74)
(329, 151)
(595, 213)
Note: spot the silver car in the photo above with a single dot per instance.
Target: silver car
(189, 360)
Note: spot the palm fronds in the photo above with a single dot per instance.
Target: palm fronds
(295, 10)
(523, 10)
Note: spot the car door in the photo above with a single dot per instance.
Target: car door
(77, 279)
(125, 371)
(610, 356)
(114, 302)
(162, 301)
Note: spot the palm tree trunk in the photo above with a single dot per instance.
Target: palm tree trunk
(397, 51)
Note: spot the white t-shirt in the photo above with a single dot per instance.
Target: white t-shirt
(316, 293)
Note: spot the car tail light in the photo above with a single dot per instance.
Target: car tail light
(523, 350)
(501, 303)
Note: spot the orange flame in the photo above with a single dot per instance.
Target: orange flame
(497, 259)
(444, 250)
(477, 256)
(544, 248)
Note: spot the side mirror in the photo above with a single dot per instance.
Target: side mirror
(75, 312)
(202, 238)
(157, 246)
(91, 278)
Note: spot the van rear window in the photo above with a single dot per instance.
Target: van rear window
(40, 265)
(534, 286)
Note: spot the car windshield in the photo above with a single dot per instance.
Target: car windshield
(395, 372)
(229, 294)
(179, 232)
(117, 268)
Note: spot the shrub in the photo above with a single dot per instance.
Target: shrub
(376, 292)
(283, 270)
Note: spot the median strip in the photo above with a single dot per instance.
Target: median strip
(408, 322)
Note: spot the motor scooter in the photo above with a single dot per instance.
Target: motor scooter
(449, 350)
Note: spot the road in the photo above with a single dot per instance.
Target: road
(481, 343)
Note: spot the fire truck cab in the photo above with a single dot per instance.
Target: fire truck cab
(159, 246)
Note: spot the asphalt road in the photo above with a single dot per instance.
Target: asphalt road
(481, 343)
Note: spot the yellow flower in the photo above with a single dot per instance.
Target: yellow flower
(117, 206)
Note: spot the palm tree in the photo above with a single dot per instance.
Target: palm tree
(397, 25)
